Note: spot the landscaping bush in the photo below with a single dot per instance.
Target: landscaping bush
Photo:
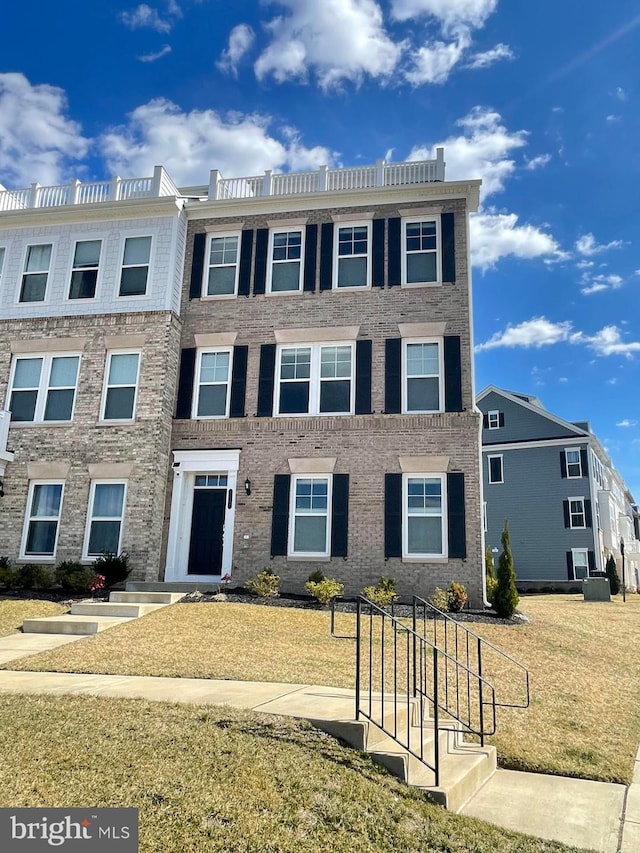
(440, 599)
(30, 576)
(324, 590)
(7, 573)
(612, 573)
(457, 597)
(74, 577)
(383, 593)
(265, 584)
(114, 568)
(492, 581)
(506, 595)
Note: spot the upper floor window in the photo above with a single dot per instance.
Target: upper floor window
(315, 379)
(496, 474)
(574, 465)
(424, 516)
(43, 388)
(420, 259)
(135, 266)
(42, 519)
(121, 383)
(36, 273)
(84, 273)
(311, 517)
(213, 372)
(222, 271)
(285, 261)
(352, 266)
(423, 375)
(577, 515)
(494, 419)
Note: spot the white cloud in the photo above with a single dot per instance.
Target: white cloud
(451, 13)
(153, 57)
(621, 94)
(537, 332)
(144, 16)
(433, 62)
(587, 245)
(498, 235)
(613, 118)
(627, 423)
(489, 57)
(563, 379)
(37, 140)
(241, 39)
(608, 341)
(337, 39)
(189, 144)
(585, 265)
(598, 283)
(537, 162)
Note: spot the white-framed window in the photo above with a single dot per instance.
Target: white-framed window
(315, 379)
(221, 269)
(120, 386)
(574, 464)
(577, 516)
(421, 258)
(423, 376)
(135, 266)
(84, 271)
(424, 515)
(352, 255)
(213, 378)
(310, 514)
(494, 419)
(36, 272)
(43, 388)
(494, 466)
(580, 558)
(42, 519)
(105, 517)
(286, 248)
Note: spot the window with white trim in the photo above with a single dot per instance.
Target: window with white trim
(352, 256)
(493, 419)
(84, 272)
(577, 516)
(43, 388)
(42, 521)
(315, 379)
(494, 466)
(574, 464)
(285, 261)
(424, 521)
(580, 559)
(121, 386)
(310, 513)
(213, 375)
(36, 273)
(135, 266)
(221, 271)
(423, 376)
(104, 519)
(421, 259)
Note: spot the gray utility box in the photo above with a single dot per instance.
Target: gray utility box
(596, 589)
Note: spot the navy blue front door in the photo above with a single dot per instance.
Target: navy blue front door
(207, 529)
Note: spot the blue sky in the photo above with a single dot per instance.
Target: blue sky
(540, 100)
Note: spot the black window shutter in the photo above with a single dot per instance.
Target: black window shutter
(238, 382)
(448, 248)
(570, 574)
(310, 257)
(260, 274)
(392, 515)
(244, 273)
(591, 557)
(363, 377)
(501, 419)
(485, 421)
(326, 256)
(563, 464)
(280, 515)
(584, 460)
(452, 374)
(392, 377)
(588, 516)
(567, 519)
(266, 380)
(378, 253)
(394, 272)
(340, 515)
(456, 516)
(185, 383)
(197, 266)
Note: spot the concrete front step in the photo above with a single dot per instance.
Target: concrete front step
(111, 608)
(172, 586)
(82, 625)
(146, 597)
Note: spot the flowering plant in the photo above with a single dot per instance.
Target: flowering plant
(98, 583)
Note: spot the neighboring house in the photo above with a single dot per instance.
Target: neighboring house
(567, 506)
(324, 406)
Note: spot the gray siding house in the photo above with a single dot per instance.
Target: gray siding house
(568, 508)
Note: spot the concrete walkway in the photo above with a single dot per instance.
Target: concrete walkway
(593, 815)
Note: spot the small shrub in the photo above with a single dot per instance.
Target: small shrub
(492, 581)
(30, 576)
(113, 567)
(440, 599)
(506, 595)
(383, 593)
(7, 573)
(316, 577)
(74, 577)
(612, 573)
(324, 590)
(265, 584)
(457, 597)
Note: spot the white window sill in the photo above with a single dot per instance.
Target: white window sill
(426, 558)
(36, 559)
(31, 424)
(308, 558)
(410, 285)
(217, 296)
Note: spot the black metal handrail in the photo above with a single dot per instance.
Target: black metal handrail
(471, 646)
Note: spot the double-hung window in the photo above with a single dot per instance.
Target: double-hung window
(424, 522)
(221, 270)
(44, 503)
(36, 273)
(574, 465)
(84, 273)
(310, 513)
(315, 379)
(213, 372)
(421, 258)
(423, 376)
(135, 266)
(494, 465)
(285, 261)
(121, 385)
(352, 256)
(580, 559)
(43, 388)
(577, 516)
(105, 517)
(493, 420)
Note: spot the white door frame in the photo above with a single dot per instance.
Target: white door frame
(186, 464)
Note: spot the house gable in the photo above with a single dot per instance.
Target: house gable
(521, 419)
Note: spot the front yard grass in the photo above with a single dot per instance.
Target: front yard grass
(14, 611)
(216, 779)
